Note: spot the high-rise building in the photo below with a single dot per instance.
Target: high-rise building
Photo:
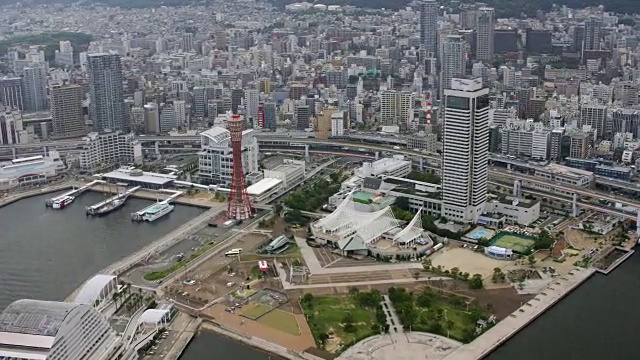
(180, 108)
(453, 62)
(466, 150)
(592, 34)
(168, 120)
(270, 116)
(35, 88)
(251, 103)
(66, 111)
(12, 93)
(538, 41)
(301, 117)
(595, 116)
(188, 43)
(429, 26)
(106, 106)
(485, 27)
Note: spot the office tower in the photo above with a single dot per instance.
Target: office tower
(236, 99)
(35, 88)
(65, 47)
(466, 150)
(453, 62)
(505, 41)
(168, 121)
(152, 118)
(270, 116)
(106, 106)
(180, 108)
(67, 119)
(251, 102)
(485, 28)
(429, 26)
(12, 93)
(592, 33)
(538, 41)
(595, 116)
(187, 42)
(301, 117)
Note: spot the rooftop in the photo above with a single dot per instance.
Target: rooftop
(91, 290)
(35, 317)
(124, 175)
(263, 186)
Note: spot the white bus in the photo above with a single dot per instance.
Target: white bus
(233, 252)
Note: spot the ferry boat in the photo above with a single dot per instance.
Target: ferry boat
(61, 203)
(157, 211)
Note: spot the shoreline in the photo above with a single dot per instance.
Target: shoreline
(255, 342)
(522, 317)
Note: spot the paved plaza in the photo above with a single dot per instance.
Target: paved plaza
(402, 346)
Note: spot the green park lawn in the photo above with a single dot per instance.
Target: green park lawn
(326, 314)
(281, 320)
(438, 313)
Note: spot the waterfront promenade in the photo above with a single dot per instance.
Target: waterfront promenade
(13, 197)
(520, 318)
(157, 246)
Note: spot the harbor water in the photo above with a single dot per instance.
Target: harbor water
(46, 253)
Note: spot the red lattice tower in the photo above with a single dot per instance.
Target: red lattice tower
(239, 207)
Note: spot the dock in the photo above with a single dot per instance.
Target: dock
(73, 192)
(93, 208)
(139, 215)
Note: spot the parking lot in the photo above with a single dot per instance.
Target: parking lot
(167, 341)
(213, 278)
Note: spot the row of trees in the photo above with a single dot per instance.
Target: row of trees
(474, 282)
(425, 176)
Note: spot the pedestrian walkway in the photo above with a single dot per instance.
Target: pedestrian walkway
(316, 269)
(395, 326)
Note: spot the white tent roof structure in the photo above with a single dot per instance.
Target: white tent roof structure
(93, 289)
(411, 232)
(152, 316)
(346, 221)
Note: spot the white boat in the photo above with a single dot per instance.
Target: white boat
(62, 202)
(157, 211)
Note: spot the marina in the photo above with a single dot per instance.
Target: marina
(110, 204)
(157, 210)
(60, 201)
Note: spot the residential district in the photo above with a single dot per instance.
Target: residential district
(419, 183)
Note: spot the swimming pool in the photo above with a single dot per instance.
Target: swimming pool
(479, 234)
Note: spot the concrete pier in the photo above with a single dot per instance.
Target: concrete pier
(183, 340)
(520, 318)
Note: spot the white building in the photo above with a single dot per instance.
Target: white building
(31, 170)
(50, 330)
(251, 104)
(216, 158)
(466, 150)
(515, 210)
(102, 151)
(290, 172)
(337, 124)
(398, 167)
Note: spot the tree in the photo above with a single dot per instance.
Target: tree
(347, 322)
(427, 264)
(322, 338)
(455, 272)
(476, 282)
(531, 260)
(307, 299)
(277, 209)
